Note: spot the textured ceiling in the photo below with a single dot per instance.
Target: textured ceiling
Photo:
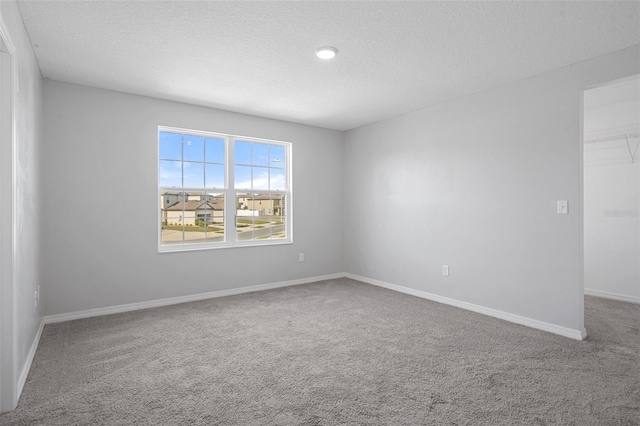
(258, 57)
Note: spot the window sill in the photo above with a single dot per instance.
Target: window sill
(179, 248)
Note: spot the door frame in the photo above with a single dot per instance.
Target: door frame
(582, 188)
(8, 309)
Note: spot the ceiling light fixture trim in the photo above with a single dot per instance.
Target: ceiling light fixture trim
(326, 52)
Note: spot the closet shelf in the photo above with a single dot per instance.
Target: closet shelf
(622, 136)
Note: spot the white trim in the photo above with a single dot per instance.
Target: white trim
(22, 379)
(173, 129)
(230, 193)
(530, 322)
(517, 319)
(8, 321)
(6, 37)
(181, 248)
(613, 296)
(580, 299)
(50, 319)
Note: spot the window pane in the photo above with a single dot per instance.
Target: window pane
(215, 229)
(277, 218)
(260, 217)
(214, 150)
(170, 198)
(278, 205)
(193, 148)
(260, 156)
(262, 222)
(216, 201)
(277, 156)
(242, 176)
(216, 219)
(170, 173)
(260, 178)
(170, 146)
(193, 232)
(244, 216)
(244, 202)
(244, 227)
(212, 208)
(242, 153)
(193, 175)
(214, 175)
(209, 218)
(260, 204)
(171, 229)
(203, 211)
(279, 230)
(244, 234)
(277, 180)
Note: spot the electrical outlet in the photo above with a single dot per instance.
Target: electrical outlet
(301, 257)
(445, 270)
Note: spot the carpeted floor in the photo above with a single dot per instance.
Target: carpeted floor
(335, 352)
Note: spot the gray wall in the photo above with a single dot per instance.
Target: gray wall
(473, 183)
(27, 136)
(100, 200)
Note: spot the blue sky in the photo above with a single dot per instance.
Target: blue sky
(200, 161)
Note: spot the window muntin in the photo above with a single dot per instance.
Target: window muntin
(200, 173)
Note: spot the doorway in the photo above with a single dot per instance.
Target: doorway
(611, 171)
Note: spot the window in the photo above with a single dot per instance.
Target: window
(219, 190)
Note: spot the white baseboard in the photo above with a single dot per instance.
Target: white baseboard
(614, 296)
(529, 322)
(50, 319)
(22, 378)
(540, 325)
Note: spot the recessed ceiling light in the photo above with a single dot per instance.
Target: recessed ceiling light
(326, 52)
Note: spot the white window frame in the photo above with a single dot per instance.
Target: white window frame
(230, 213)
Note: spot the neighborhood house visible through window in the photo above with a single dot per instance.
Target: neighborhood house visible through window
(221, 190)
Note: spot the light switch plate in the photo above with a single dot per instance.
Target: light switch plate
(563, 207)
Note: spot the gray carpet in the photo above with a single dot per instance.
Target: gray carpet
(335, 352)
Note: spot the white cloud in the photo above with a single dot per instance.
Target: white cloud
(171, 174)
(262, 182)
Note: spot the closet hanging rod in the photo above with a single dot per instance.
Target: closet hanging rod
(622, 136)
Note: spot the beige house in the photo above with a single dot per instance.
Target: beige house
(189, 211)
(168, 199)
(187, 207)
(262, 204)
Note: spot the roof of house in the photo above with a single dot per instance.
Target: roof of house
(193, 205)
(190, 193)
(262, 196)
